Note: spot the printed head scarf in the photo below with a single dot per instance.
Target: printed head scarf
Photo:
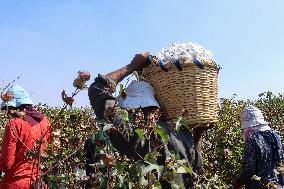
(251, 117)
(252, 120)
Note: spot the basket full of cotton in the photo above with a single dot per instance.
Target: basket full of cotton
(184, 76)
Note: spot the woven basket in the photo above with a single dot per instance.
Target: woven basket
(193, 88)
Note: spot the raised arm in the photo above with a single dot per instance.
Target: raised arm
(100, 92)
(137, 64)
(102, 101)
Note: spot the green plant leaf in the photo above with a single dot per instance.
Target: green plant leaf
(121, 180)
(101, 121)
(123, 114)
(121, 88)
(256, 178)
(187, 169)
(149, 168)
(175, 185)
(181, 170)
(108, 127)
(157, 185)
(162, 133)
(140, 134)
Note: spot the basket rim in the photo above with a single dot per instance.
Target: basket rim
(154, 67)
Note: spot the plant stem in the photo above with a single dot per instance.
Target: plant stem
(59, 162)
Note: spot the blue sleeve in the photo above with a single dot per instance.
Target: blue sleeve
(278, 148)
(249, 162)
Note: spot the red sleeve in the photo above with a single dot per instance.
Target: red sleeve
(48, 129)
(8, 149)
(49, 138)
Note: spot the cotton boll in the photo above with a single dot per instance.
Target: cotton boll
(188, 57)
(194, 54)
(184, 51)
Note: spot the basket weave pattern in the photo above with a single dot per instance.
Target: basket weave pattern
(193, 88)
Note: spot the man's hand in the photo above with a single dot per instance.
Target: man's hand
(137, 64)
(139, 61)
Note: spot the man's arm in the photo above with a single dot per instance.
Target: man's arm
(137, 64)
(100, 92)
(103, 103)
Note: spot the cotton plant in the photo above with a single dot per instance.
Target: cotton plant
(79, 173)
(115, 170)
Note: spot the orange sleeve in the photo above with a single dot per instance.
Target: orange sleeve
(46, 130)
(8, 149)
(49, 135)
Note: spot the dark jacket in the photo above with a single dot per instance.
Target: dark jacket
(262, 156)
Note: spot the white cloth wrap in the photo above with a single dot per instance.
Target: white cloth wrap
(139, 94)
(252, 117)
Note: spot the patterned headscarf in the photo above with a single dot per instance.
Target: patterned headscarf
(252, 117)
(252, 121)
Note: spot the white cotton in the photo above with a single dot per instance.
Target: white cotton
(184, 51)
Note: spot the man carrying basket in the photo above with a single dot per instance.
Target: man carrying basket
(138, 99)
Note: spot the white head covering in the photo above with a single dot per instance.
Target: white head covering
(252, 117)
(139, 94)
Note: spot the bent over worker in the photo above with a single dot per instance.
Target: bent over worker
(140, 99)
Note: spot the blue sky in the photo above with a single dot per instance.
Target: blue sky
(48, 41)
